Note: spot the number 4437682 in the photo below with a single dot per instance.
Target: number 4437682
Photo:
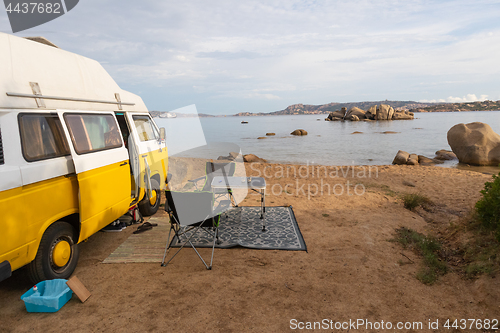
(472, 324)
(35, 7)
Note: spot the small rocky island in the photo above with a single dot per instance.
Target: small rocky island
(375, 112)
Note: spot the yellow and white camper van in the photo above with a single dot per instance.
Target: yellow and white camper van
(76, 152)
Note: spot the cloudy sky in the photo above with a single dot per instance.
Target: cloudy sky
(261, 56)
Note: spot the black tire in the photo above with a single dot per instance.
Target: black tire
(145, 206)
(43, 267)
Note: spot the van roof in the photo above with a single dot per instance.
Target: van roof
(42, 40)
(65, 80)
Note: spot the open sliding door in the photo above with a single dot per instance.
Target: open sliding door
(102, 167)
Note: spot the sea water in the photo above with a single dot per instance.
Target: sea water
(327, 143)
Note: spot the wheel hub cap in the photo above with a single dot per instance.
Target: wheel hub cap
(61, 253)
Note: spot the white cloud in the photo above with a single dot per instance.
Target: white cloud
(432, 101)
(464, 99)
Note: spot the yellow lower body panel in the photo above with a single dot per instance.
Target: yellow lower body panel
(104, 197)
(28, 211)
(100, 196)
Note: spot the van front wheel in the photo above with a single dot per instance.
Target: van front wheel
(149, 206)
(57, 254)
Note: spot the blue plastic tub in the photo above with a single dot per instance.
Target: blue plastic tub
(53, 295)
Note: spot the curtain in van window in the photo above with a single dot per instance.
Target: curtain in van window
(95, 129)
(93, 132)
(42, 137)
(61, 145)
(112, 135)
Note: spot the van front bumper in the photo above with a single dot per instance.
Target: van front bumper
(5, 270)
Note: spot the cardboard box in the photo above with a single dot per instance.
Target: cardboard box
(78, 288)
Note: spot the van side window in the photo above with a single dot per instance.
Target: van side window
(93, 132)
(1, 149)
(144, 125)
(42, 136)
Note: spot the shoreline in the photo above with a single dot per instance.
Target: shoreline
(490, 170)
(453, 164)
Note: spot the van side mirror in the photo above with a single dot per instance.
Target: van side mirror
(163, 134)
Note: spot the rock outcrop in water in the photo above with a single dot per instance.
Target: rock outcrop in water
(231, 157)
(404, 158)
(248, 158)
(422, 160)
(251, 158)
(401, 158)
(355, 112)
(475, 144)
(299, 132)
(445, 155)
(384, 112)
(375, 112)
(412, 159)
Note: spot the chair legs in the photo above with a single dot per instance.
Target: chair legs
(177, 234)
(169, 244)
(216, 237)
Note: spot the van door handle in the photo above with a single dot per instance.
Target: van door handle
(124, 163)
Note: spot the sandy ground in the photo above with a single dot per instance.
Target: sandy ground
(351, 271)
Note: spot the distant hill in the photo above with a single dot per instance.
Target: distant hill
(456, 107)
(297, 109)
(330, 107)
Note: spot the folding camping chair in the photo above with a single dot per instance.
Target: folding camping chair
(214, 170)
(189, 213)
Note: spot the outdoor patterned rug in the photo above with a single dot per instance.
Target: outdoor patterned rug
(242, 227)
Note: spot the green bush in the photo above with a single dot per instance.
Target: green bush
(488, 207)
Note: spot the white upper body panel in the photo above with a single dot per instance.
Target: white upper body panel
(16, 171)
(10, 173)
(58, 73)
(66, 75)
